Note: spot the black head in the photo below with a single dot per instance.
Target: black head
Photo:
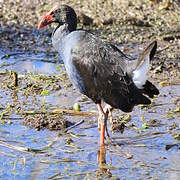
(61, 15)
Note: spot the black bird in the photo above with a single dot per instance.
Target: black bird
(99, 69)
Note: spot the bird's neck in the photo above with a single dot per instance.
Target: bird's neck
(59, 34)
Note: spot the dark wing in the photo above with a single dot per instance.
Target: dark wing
(102, 68)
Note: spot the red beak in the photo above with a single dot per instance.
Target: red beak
(47, 19)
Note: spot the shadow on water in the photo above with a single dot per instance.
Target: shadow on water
(146, 149)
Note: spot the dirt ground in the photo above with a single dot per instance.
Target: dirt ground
(120, 21)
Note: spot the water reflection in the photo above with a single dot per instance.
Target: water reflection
(30, 62)
(103, 167)
(33, 66)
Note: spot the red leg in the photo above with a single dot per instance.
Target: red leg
(102, 134)
(102, 118)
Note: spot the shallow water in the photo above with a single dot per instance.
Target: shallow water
(138, 153)
(27, 62)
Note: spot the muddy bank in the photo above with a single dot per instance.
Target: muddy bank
(123, 22)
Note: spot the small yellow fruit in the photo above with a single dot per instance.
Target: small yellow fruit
(76, 107)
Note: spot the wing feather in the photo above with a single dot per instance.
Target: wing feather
(104, 72)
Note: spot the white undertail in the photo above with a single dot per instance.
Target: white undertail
(140, 73)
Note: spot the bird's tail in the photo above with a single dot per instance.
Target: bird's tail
(149, 89)
(139, 75)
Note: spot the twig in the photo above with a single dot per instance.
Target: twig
(55, 175)
(163, 49)
(162, 104)
(72, 112)
(61, 111)
(19, 148)
(12, 118)
(12, 54)
(73, 126)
